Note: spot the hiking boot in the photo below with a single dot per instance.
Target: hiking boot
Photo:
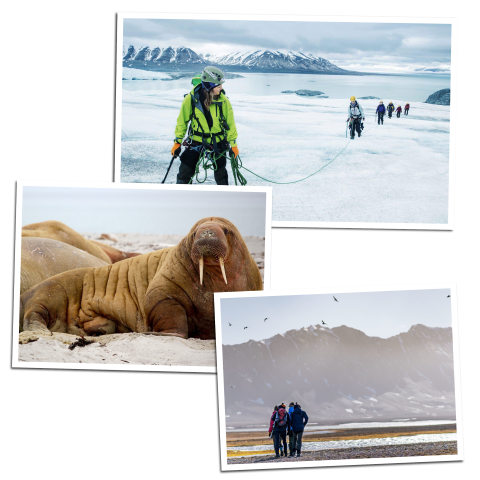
(299, 454)
(277, 456)
(292, 453)
(352, 138)
(359, 135)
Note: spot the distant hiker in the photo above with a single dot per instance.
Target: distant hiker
(290, 430)
(399, 111)
(272, 422)
(390, 109)
(380, 111)
(281, 421)
(355, 117)
(212, 127)
(299, 422)
(407, 108)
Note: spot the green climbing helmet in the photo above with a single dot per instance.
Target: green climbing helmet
(212, 75)
(196, 80)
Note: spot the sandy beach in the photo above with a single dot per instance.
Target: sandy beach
(129, 348)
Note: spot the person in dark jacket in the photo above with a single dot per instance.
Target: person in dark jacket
(380, 111)
(407, 108)
(299, 422)
(270, 430)
(399, 111)
(355, 117)
(290, 431)
(281, 421)
(390, 109)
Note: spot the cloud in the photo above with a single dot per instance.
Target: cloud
(401, 44)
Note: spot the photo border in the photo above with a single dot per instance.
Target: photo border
(127, 186)
(330, 463)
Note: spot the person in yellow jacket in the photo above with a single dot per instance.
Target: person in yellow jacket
(212, 127)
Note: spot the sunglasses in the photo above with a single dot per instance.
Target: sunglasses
(210, 85)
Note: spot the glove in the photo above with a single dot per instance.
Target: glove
(235, 151)
(176, 149)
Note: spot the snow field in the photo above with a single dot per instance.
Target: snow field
(395, 173)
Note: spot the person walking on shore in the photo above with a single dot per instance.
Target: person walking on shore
(290, 430)
(407, 108)
(212, 128)
(355, 117)
(399, 111)
(270, 430)
(390, 109)
(281, 421)
(299, 422)
(380, 112)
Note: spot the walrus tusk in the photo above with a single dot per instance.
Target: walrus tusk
(200, 264)
(223, 270)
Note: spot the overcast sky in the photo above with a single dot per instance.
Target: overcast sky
(379, 314)
(146, 211)
(370, 46)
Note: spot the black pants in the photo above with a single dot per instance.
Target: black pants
(390, 114)
(280, 436)
(297, 441)
(355, 125)
(406, 111)
(398, 114)
(189, 159)
(380, 117)
(290, 441)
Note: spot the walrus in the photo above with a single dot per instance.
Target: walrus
(168, 291)
(62, 233)
(42, 258)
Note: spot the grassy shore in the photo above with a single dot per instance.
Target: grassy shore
(244, 439)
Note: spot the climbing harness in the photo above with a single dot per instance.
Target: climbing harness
(210, 154)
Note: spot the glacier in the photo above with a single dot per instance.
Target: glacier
(395, 173)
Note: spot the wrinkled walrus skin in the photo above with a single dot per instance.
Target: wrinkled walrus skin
(62, 233)
(161, 291)
(43, 258)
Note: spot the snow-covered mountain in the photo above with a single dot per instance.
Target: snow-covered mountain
(341, 374)
(253, 60)
(169, 55)
(276, 60)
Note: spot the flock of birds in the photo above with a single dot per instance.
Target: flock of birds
(266, 318)
(323, 323)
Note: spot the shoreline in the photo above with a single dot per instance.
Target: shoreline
(412, 450)
(246, 439)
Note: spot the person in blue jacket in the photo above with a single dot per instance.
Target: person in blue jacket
(290, 431)
(281, 422)
(299, 421)
(380, 111)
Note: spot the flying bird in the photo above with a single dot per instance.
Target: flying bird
(335, 298)
(267, 317)
(229, 324)
(232, 386)
(448, 296)
(323, 323)
(245, 328)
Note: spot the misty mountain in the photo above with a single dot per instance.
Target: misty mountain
(341, 374)
(433, 70)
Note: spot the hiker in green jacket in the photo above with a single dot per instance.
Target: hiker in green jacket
(212, 127)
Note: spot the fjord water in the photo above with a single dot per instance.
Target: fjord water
(409, 88)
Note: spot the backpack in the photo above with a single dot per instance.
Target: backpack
(281, 418)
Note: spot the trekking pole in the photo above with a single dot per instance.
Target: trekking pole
(170, 166)
(346, 130)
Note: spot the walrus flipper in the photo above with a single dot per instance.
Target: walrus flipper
(165, 314)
